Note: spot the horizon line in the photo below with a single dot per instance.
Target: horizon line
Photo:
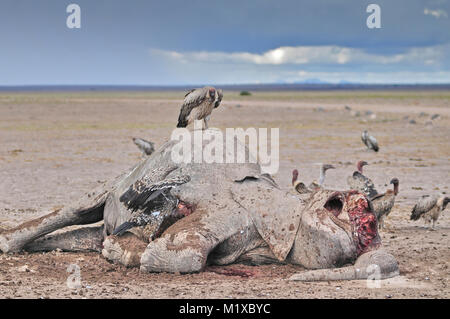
(254, 86)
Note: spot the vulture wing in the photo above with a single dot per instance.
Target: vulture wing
(364, 139)
(218, 99)
(142, 194)
(148, 202)
(301, 188)
(425, 204)
(191, 100)
(383, 203)
(363, 184)
(373, 143)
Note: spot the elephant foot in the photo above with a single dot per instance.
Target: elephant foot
(125, 250)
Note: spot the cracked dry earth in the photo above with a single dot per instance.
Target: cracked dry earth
(56, 147)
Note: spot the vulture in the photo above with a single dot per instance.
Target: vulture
(383, 203)
(360, 182)
(323, 169)
(198, 105)
(145, 146)
(370, 141)
(153, 207)
(299, 186)
(429, 208)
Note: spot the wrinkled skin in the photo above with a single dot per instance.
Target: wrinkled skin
(240, 216)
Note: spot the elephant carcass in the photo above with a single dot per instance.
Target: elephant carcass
(240, 215)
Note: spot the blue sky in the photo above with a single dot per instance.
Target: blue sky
(223, 42)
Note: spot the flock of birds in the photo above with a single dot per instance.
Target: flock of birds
(149, 200)
(429, 207)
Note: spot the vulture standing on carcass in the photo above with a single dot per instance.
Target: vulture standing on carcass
(369, 141)
(429, 208)
(383, 203)
(198, 105)
(360, 182)
(323, 169)
(299, 186)
(153, 207)
(146, 147)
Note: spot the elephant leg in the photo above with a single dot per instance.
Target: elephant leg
(185, 246)
(87, 211)
(376, 264)
(79, 240)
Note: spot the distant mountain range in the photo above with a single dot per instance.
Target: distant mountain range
(310, 84)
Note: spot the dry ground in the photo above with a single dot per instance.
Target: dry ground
(56, 147)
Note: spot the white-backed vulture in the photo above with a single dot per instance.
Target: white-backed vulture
(323, 169)
(299, 186)
(429, 208)
(360, 182)
(369, 141)
(152, 205)
(383, 203)
(198, 105)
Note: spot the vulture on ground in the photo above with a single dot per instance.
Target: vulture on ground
(299, 186)
(145, 146)
(323, 169)
(383, 203)
(360, 182)
(198, 105)
(429, 208)
(369, 141)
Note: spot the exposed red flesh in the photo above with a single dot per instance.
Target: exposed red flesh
(185, 208)
(365, 225)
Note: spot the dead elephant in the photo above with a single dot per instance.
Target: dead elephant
(240, 215)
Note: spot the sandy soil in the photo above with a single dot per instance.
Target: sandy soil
(56, 147)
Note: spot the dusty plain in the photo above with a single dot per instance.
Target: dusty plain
(54, 147)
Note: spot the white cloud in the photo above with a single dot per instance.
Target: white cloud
(310, 55)
(331, 64)
(435, 13)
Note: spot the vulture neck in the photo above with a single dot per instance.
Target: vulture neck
(322, 176)
(360, 168)
(395, 189)
(294, 180)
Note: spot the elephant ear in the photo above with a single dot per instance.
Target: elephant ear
(274, 212)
